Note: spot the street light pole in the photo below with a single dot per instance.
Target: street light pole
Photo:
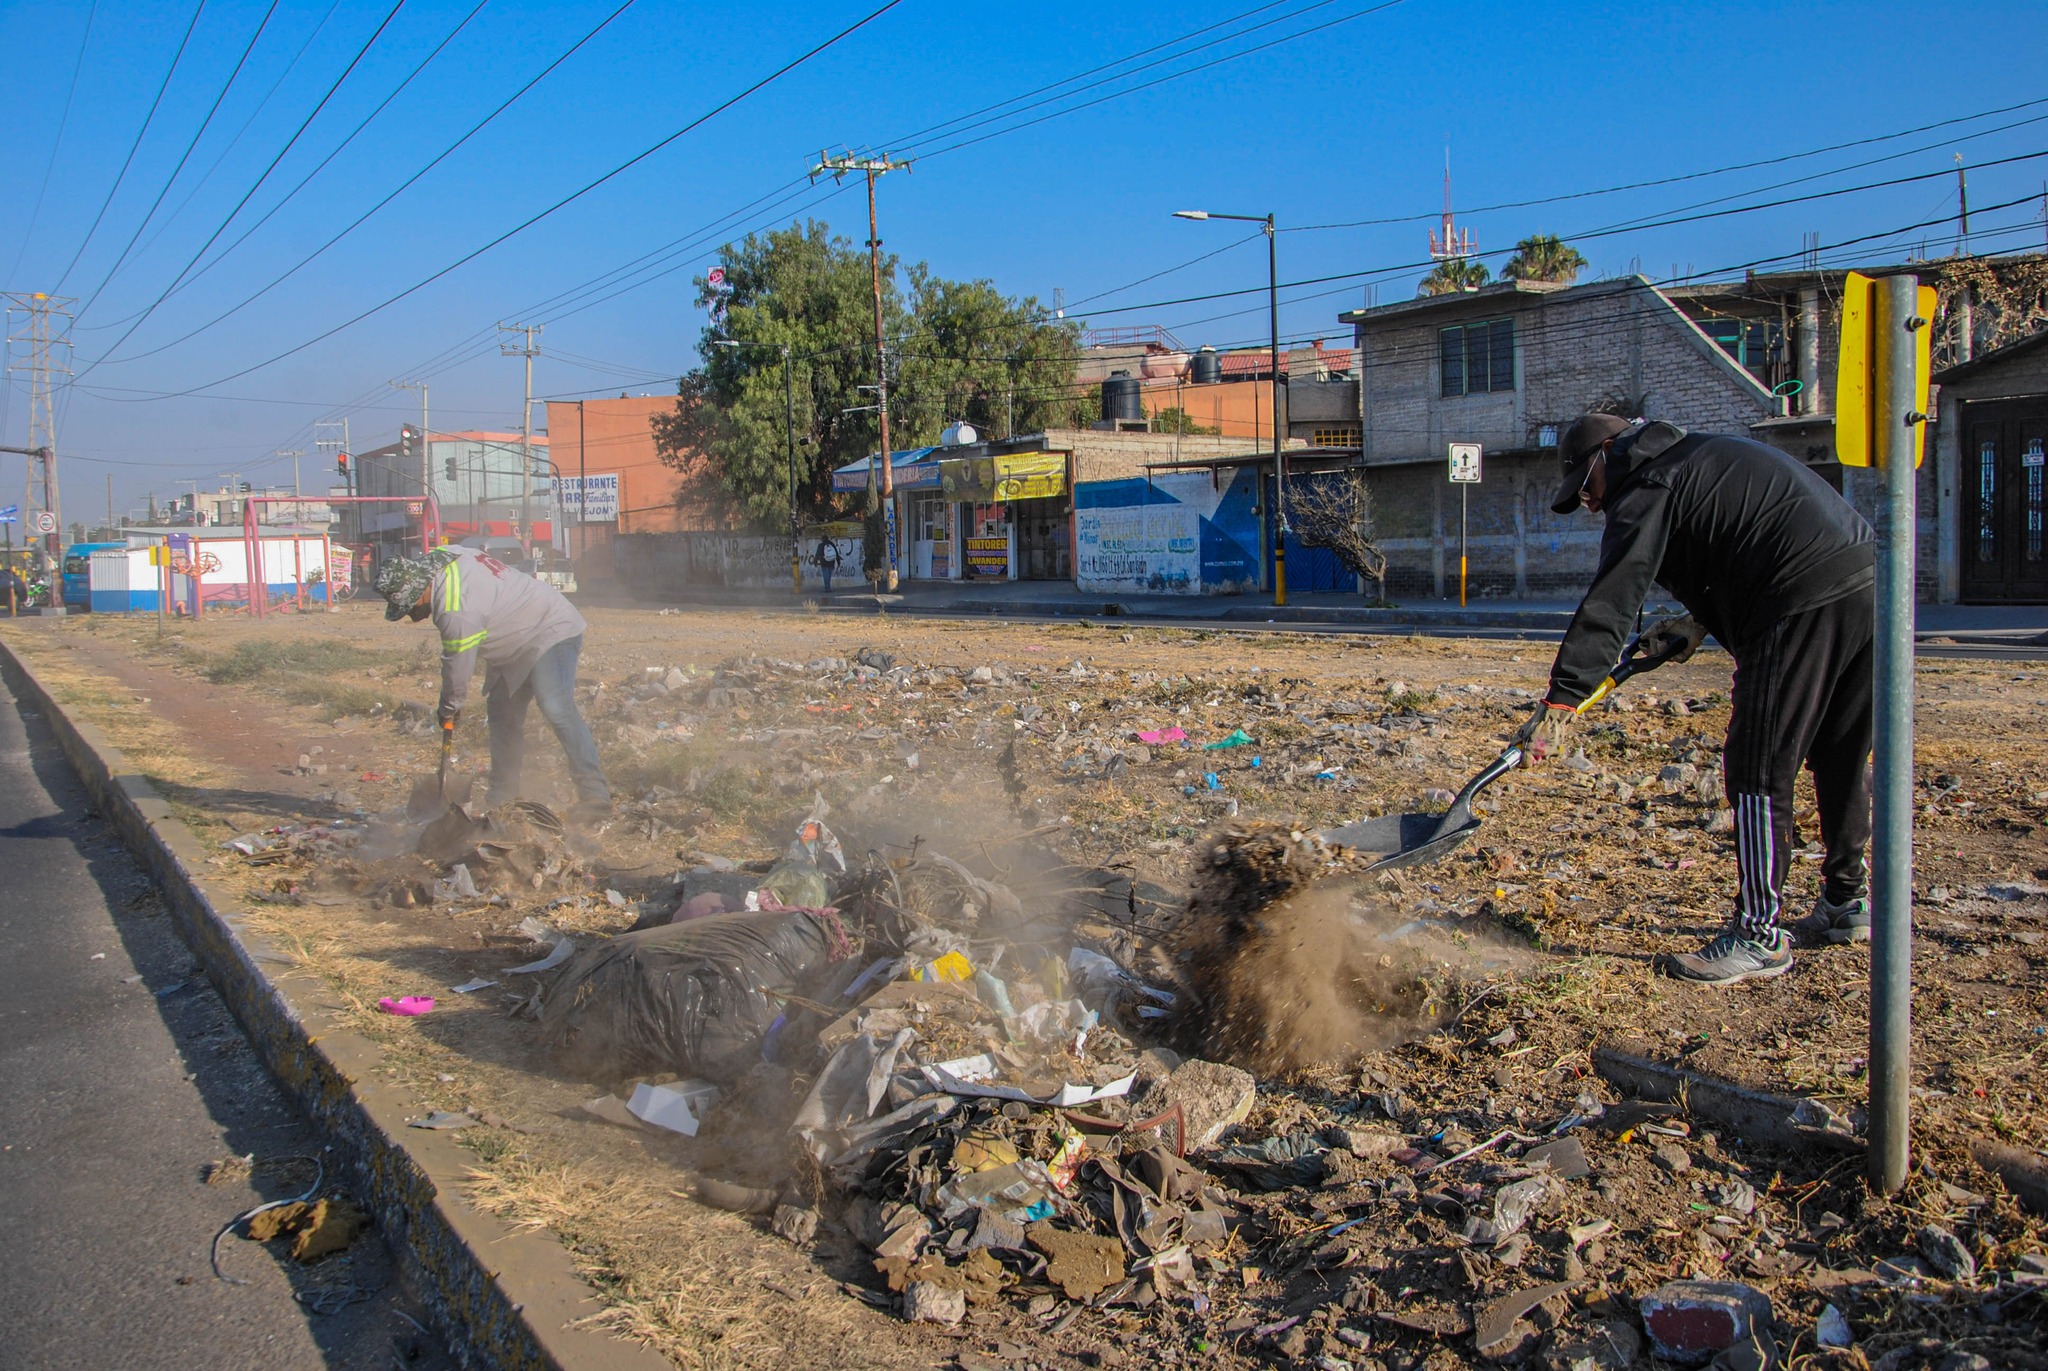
(1273, 318)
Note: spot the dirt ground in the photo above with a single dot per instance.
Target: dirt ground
(719, 728)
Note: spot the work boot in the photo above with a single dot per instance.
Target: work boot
(1847, 922)
(1733, 957)
(588, 814)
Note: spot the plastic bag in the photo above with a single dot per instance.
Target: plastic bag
(694, 998)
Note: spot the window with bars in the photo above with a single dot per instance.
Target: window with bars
(1334, 437)
(1477, 358)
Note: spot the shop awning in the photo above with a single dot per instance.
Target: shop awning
(911, 468)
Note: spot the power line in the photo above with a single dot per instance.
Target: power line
(290, 143)
(193, 142)
(337, 150)
(129, 160)
(57, 145)
(521, 227)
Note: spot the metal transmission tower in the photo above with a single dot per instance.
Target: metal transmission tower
(871, 167)
(528, 349)
(41, 346)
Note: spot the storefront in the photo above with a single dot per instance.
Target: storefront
(978, 515)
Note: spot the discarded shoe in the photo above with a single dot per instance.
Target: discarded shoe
(1731, 958)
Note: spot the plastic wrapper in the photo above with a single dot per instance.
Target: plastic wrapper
(694, 998)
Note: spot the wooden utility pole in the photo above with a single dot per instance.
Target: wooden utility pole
(871, 167)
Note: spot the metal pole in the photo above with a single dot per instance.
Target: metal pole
(1464, 523)
(1279, 459)
(1891, 875)
(582, 487)
(796, 566)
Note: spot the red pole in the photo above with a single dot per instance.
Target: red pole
(251, 558)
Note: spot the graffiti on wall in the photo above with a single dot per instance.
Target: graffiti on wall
(1186, 533)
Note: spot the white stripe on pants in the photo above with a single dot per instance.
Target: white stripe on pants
(1756, 900)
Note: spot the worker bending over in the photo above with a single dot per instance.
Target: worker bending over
(527, 635)
(1778, 568)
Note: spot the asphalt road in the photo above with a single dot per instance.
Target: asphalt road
(122, 1075)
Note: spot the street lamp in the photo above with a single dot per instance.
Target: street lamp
(796, 569)
(1273, 312)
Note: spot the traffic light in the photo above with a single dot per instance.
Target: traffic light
(408, 444)
(449, 467)
(341, 465)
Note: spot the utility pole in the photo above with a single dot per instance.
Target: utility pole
(45, 337)
(528, 348)
(1962, 208)
(426, 446)
(298, 513)
(871, 167)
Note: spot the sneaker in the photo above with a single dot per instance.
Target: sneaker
(1848, 922)
(1731, 958)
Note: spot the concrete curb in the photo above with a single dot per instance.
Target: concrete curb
(502, 1298)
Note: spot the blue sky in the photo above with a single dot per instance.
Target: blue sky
(1344, 124)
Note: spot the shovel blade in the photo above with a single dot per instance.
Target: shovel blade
(428, 801)
(1405, 839)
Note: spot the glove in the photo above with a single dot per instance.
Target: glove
(1663, 634)
(1546, 732)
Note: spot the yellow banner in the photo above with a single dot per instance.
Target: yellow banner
(1030, 475)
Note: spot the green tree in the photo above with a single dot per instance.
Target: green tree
(1544, 257)
(1174, 419)
(806, 289)
(1452, 275)
(958, 350)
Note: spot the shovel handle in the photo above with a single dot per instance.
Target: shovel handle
(447, 736)
(1631, 664)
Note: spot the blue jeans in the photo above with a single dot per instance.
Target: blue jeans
(552, 685)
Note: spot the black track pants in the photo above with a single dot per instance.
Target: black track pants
(1801, 696)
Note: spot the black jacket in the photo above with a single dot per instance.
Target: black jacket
(1741, 533)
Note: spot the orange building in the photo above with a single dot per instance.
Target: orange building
(607, 447)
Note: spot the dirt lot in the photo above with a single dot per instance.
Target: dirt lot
(1012, 749)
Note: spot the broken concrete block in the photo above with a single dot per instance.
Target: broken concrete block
(1566, 1158)
(794, 1225)
(1691, 1321)
(924, 1302)
(1211, 1097)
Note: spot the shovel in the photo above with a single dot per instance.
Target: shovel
(1413, 839)
(426, 803)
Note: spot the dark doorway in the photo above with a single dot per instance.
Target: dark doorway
(2001, 501)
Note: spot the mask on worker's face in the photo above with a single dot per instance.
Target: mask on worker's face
(419, 611)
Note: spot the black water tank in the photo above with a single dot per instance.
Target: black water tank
(1123, 399)
(1207, 368)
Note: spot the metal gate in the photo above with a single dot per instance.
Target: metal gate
(1310, 570)
(2003, 502)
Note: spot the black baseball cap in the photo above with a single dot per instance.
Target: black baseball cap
(1577, 446)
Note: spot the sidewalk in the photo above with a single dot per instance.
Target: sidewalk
(1965, 623)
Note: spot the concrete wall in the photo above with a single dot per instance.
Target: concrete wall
(669, 566)
(1099, 455)
(1517, 547)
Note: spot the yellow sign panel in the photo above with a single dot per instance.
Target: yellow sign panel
(1030, 475)
(1859, 382)
(160, 554)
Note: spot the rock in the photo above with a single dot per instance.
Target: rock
(1691, 1321)
(1832, 1329)
(1611, 1347)
(1963, 1361)
(795, 1225)
(1566, 1158)
(905, 1233)
(1211, 1097)
(982, 675)
(1945, 1252)
(1723, 821)
(992, 1230)
(1672, 1158)
(1677, 709)
(1080, 1264)
(1369, 1144)
(924, 1302)
(1678, 775)
(1292, 1343)
(675, 680)
(1580, 762)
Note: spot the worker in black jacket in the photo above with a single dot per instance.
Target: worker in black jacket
(1778, 568)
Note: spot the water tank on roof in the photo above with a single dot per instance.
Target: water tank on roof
(1123, 399)
(959, 435)
(1207, 367)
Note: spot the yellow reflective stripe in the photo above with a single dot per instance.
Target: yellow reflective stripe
(463, 644)
(451, 593)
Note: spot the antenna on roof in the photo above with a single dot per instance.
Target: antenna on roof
(1454, 241)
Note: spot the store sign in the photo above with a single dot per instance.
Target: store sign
(603, 501)
(988, 556)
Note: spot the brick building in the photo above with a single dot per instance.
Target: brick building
(608, 446)
(1507, 366)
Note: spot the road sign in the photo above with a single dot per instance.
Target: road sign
(1859, 389)
(10, 515)
(1465, 464)
(46, 522)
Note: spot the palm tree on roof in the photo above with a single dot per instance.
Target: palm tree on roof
(1453, 274)
(1544, 257)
